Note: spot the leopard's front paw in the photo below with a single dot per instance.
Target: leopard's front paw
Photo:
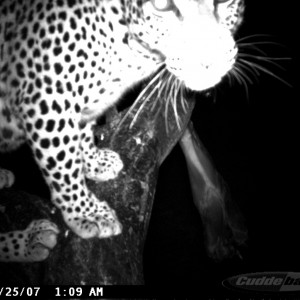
(102, 222)
(106, 166)
(100, 227)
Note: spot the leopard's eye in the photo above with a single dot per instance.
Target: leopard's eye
(163, 5)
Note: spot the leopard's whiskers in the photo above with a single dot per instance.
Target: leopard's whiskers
(254, 60)
(140, 98)
(242, 78)
(173, 93)
(257, 36)
(174, 102)
(156, 86)
(161, 85)
(181, 96)
(167, 99)
(263, 69)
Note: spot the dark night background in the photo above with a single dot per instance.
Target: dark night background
(252, 142)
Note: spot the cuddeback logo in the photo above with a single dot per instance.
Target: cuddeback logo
(265, 282)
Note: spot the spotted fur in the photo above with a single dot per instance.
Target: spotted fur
(63, 63)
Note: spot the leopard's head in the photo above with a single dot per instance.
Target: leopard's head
(194, 38)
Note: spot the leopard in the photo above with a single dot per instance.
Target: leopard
(65, 63)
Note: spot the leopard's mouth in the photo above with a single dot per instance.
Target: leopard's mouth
(201, 78)
(200, 73)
